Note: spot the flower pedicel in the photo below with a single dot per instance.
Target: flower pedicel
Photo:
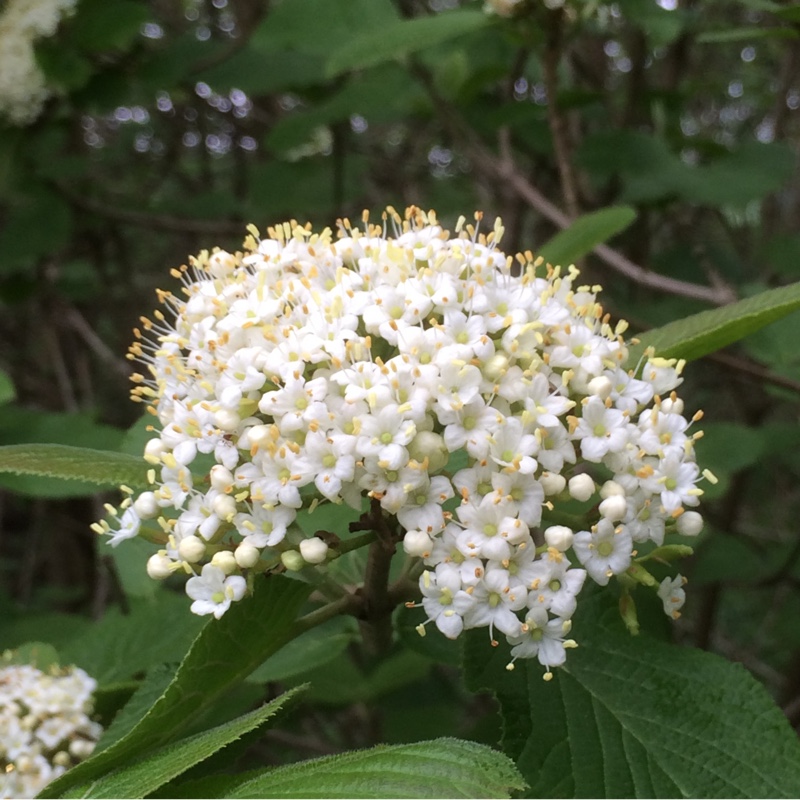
(468, 392)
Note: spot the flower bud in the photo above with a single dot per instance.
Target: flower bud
(417, 543)
(600, 386)
(430, 445)
(611, 488)
(552, 483)
(227, 420)
(313, 550)
(224, 506)
(221, 478)
(670, 406)
(225, 560)
(62, 759)
(153, 451)
(259, 435)
(495, 367)
(159, 567)
(146, 506)
(192, 549)
(690, 523)
(613, 508)
(246, 555)
(559, 536)
(513, 530)
(81, 748)
(292, 560)
(581, 487)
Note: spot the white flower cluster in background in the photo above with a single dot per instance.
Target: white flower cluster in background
(44, 726)
(23, 90)
(470, 393)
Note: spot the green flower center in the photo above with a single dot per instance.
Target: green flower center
(605, 549)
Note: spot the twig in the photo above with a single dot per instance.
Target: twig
(492, 168)
(163, 222)
(79, 324)
(558, 129)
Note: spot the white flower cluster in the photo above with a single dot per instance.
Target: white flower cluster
(469, 393)
(22, 85)
(44, 726)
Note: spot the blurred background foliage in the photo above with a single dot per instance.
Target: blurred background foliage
(174, 123)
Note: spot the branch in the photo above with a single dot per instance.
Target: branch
(154, 221)
(493, 168)
(558, 129)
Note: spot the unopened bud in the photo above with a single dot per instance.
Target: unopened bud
(613, 508)
(292, 560)
(552, 483)
(159, 567)
(313, 550)
(495, 367)
(192, 549)
(611, 488)
(221, 478)
(559, 536)
(153, 451)
(430, 445)
(670, 406)
(417, 543)
(225, 560)
(581, 487)
(600, 387)
(224, 506)
(258, 435)
(227, 420)
(146, 506)
(246, 555)
(690, 523)
(81, 748)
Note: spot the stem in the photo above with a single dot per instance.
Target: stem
(349, 604)
(556, 122)
(354, 544)
(375, 617)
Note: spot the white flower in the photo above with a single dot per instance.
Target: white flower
(457, 389)
(672, 595)
(605, 551)
(214, 591)
(496, 599)
(444, 600)
(542, 638)
(45, 725)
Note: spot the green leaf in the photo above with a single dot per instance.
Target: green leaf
(41, 655)
(224, 653)
(38, 224)
(750, 172)
(641, 719)
(402, 38)
(107, 24)
(438, 768)
(99, 467)
(703, 333)
(585, 233)
(120, 646)
(147, 775)
(308, 651)
(7, 391)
